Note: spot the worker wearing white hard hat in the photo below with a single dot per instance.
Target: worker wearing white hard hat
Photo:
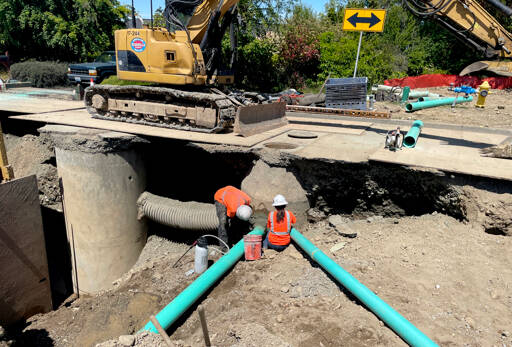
(279, 225)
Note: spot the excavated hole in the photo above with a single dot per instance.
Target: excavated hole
(194, 173)
(495, 231)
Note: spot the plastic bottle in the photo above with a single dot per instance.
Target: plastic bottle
(201, 256)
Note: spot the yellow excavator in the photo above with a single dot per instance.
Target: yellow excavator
(187, 55)
(472, 24)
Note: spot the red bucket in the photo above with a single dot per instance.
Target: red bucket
(252, 246)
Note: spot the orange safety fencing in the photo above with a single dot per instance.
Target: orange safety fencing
(438, 80)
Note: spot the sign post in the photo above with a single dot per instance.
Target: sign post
(358, 50)
(363, 20)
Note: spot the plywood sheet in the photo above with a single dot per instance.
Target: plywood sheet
(82, 118)
(342, 147)
(451, 154)
(22, 103)
(25, 284)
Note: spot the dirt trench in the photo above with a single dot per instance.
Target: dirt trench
(416, 230)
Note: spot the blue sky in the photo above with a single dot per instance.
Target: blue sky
(142, 6)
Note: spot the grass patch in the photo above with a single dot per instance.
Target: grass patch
(113, 80)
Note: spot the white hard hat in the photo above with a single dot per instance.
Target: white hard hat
(279, 200)
(244, 213)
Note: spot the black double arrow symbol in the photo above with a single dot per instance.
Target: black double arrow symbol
(354, 19)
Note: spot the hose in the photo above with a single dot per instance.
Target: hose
(215, 237)
(178, 214)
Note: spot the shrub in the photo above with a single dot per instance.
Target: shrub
(113, 80)
(42, 74)
(258, 66)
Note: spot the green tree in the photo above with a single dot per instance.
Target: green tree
(158, 18)
(299, 47)
(65, 30)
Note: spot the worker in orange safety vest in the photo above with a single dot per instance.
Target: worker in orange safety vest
(230, 203)
(279, 225)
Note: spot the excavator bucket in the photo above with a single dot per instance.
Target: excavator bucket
(255, 119)
(478, 66)
(500, 68)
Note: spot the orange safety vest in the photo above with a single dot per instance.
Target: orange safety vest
(279, 232)
(232, 198)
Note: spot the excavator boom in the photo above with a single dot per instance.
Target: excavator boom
(472, 24)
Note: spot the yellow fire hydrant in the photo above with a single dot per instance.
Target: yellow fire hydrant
(483, 91)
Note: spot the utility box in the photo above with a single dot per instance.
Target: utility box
(346, 93)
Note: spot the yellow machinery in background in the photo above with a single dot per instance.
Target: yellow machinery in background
(187, 56)
(472, 24)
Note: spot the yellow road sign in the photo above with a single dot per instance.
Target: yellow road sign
(358, 19)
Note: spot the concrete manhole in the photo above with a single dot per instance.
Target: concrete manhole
(302, 135)
(280, 145)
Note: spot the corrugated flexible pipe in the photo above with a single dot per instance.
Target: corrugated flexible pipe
(178, 214)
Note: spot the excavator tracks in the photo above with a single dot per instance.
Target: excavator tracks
(161, 107)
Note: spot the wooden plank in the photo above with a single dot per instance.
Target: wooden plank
(338, 111)
(82, 118)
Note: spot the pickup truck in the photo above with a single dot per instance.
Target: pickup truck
(103, 67)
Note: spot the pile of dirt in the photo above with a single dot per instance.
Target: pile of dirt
(418, 265)
(34, 155)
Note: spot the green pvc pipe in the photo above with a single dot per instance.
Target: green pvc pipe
(412, 135)
(412, 335)
(196, 289)
(414, 94)
(411, 107)
(427, 98)
(405, 94)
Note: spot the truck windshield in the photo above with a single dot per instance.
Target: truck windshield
(106, 57)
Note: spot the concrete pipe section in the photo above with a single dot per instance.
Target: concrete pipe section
(102, 175)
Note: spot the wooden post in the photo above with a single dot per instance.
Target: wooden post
(161, 331)
(202, 318)
(6, 172)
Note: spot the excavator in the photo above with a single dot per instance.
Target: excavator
(473, 25)
(186, 55)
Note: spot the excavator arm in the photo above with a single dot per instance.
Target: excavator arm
(472, 24)
(205, 15)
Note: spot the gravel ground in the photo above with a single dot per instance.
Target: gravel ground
(418, 265)
(496, 114)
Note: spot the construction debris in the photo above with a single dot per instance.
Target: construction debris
(341, 112)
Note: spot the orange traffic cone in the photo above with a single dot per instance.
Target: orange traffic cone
(92, 83)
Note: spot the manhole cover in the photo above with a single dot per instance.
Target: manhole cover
(280, 145)
(302, 135)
